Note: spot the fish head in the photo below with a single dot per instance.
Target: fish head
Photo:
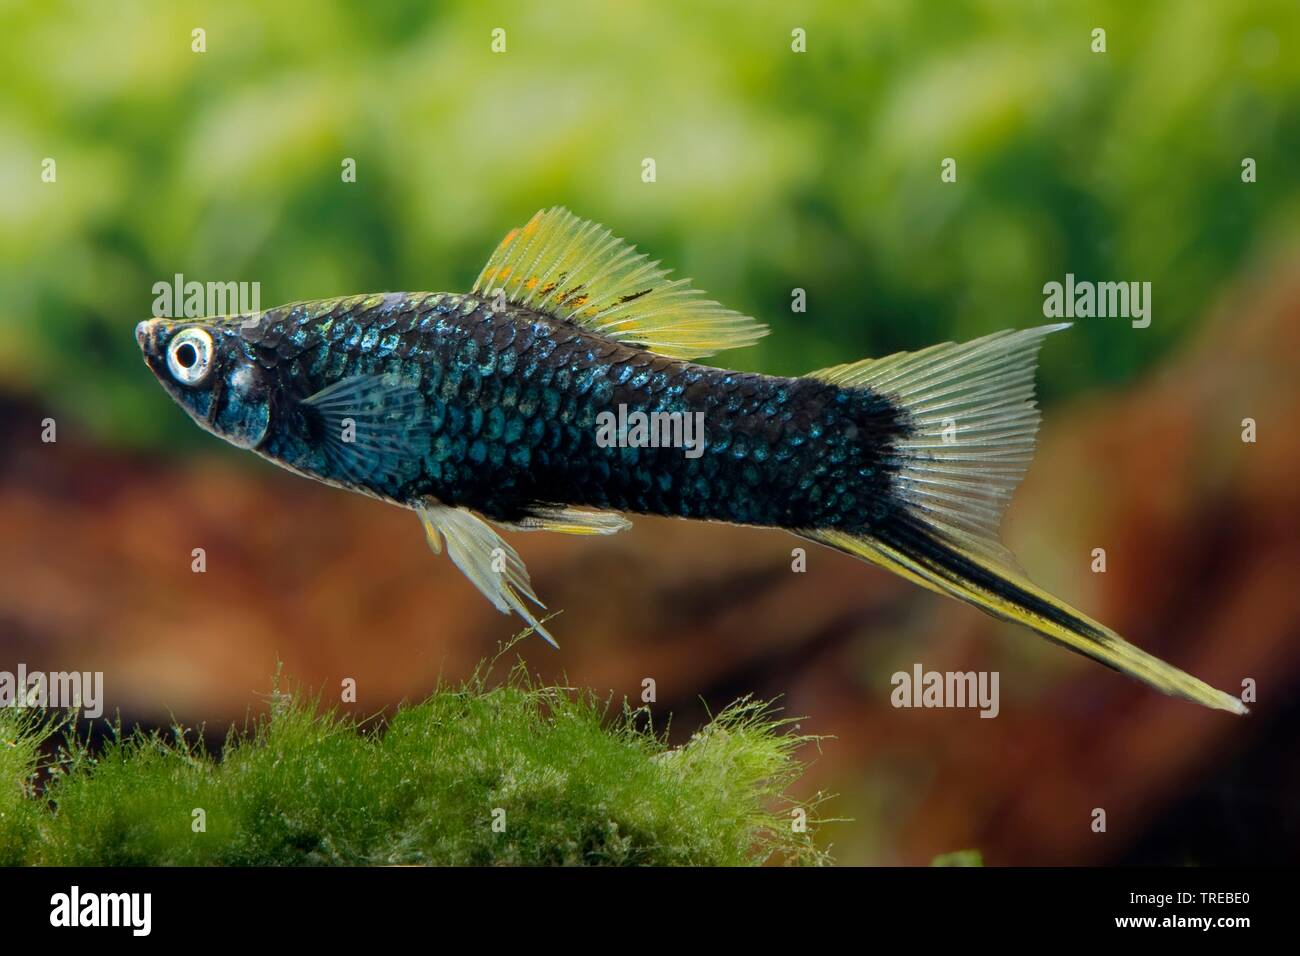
(203, 365)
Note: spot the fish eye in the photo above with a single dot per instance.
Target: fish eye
(189, 356)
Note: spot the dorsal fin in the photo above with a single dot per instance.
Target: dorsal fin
(576, 270)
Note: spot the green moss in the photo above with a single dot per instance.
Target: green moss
(565, 781)
(959, 858)
(20, 815)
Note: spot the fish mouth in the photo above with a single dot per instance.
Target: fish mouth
(146, 334)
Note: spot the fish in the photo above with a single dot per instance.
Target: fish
(507, 408)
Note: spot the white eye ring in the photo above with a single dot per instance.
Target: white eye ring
(189, 356)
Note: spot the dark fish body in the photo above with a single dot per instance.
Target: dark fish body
(511, 400)
(498, 406)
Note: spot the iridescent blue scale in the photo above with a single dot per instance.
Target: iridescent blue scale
(511, 399)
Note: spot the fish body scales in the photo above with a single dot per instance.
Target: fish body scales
(512, 405)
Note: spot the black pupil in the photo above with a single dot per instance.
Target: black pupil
(186, 355)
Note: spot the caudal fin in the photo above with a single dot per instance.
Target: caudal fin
(972, 423)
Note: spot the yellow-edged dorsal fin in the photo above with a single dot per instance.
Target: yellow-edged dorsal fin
(577, 270)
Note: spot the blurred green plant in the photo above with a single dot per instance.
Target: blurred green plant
(776, 170)
(564, 784)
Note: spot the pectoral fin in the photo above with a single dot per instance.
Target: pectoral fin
(373, 428)
(484, 557)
